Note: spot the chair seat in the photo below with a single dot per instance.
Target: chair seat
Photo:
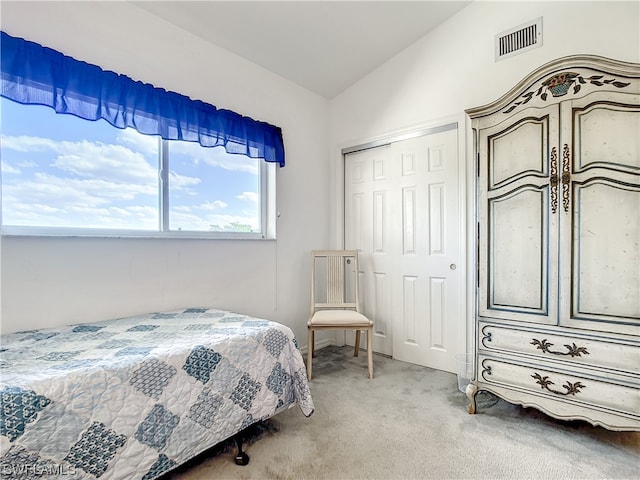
(339, 318)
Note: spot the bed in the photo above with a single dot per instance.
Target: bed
(135, 397)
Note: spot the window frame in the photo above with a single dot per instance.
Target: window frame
(267, 195)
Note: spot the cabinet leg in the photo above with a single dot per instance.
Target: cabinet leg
(471, 392)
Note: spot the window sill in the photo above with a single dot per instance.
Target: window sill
(8, 231)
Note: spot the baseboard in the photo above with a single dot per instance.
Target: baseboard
(318, 345)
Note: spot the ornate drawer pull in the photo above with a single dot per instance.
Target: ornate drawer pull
(573, 349)
(571, 388)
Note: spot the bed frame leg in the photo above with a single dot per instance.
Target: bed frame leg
(241, 458)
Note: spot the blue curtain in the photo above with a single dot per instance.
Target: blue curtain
(33, 74)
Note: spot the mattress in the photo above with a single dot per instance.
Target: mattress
(137, 396)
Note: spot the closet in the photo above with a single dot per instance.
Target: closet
(558, 242)
(402, 205)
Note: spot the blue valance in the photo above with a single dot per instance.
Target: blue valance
(33, 74)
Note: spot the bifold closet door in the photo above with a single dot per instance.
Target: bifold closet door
(368, 229)
(402, 211)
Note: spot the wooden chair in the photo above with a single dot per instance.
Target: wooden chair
(334, 300)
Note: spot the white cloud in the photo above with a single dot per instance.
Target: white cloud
(8, 168)
(216, 157)
(209, 216)
(78, 215)
(26, 143)
(89, 159)
(182, 182)
(27, 164)
(83, 184)
(131, 217)
(147, 144)
(215, 205)
(192, 222)
(107, 162)
(95, 184)
(89, 190)
(252, 197)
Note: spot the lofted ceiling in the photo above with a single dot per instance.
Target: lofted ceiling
(323, 46)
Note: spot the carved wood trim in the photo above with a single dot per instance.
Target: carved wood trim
(553, 180)
(606, 71)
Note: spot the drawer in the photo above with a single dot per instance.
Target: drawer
(607, 354)
(620, 395)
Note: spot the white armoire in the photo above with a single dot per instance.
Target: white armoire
(558, 243)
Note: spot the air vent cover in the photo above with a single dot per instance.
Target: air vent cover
(519, 39)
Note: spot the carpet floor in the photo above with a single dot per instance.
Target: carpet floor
(411, 422)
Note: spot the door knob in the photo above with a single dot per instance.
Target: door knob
(453, 266)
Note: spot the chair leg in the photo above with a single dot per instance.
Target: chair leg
(357, 347)
(370, 351)
(310, 353)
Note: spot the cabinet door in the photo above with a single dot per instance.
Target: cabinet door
(518, 248)
(600, 213)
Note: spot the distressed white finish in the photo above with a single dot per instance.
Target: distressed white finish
(558, 324)
(514, 206)
(604, 351)
(603, 396)
(602, 227)
(402, 213)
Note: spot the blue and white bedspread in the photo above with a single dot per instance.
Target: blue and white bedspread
(135, 397)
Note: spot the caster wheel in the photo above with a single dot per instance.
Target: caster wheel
(242, 459)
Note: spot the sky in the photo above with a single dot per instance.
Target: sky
(62, 171)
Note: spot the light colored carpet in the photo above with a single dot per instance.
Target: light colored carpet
(411, 422)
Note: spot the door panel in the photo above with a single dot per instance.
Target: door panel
(518, 220)
(522, 141)
(430, 252)
(402, 211)
(518, 249)
(367, 230)
(606, 131)
(600, 218)
(605, 251)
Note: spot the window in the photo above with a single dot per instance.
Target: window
(63, 175)
(90, 171)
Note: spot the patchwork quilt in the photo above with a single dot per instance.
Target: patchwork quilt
(135, 397)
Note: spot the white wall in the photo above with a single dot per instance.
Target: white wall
(53, 281)
(453, 69)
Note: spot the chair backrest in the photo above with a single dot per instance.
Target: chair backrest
(334, 280)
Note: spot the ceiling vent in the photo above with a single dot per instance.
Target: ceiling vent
(519, 39)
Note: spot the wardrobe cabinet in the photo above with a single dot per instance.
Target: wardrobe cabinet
(558, 242)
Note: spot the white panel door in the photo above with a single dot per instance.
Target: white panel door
(402, 211)
(368, 230)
